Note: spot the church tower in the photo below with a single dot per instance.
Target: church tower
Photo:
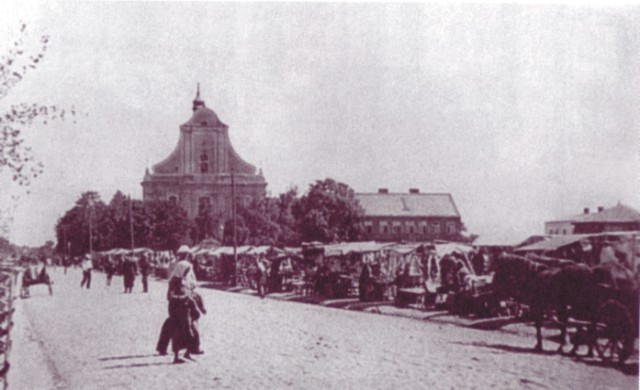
(198, 172)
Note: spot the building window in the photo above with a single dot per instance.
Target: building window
(425, 230)
(410, 229)
(451, 227)
(204, 203)
(173, 199)
(564, 231)
(398, 229)
(369, 229)
(435, 227)
(204, 163)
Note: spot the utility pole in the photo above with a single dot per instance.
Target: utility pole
(131, 223)
(90, 226)
(64, 240)
(233, 213)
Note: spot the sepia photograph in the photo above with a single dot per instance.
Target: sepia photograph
(319, 195)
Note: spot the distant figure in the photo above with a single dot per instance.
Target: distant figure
(364, 282)
(109, 269)
(608, 254)
(261, 278)
(129, 270)
(145, 268)
(87, 265)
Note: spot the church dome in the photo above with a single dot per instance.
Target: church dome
(204, 117)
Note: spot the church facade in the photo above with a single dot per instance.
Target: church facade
(204, 170)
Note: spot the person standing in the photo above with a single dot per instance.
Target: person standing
(87, 265)
(129, 270)
(109, 269)
(145, 268)
(261, 277)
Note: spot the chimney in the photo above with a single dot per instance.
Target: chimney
(414, 190)
(600, 209)
(383, 190)
(586, 210)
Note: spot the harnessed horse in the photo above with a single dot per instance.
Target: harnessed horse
(29, 279)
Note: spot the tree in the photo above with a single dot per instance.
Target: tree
(286, 203)
(242, 232)
(205, 224)
(170, 225)
(82, 224)
(160, 225)
(329, 212)
(14, 65)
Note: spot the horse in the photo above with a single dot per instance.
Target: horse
(28, 279)
(566, 289)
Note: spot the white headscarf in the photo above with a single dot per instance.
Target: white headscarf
(184, 270)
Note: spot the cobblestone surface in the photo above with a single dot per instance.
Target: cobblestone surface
(103, 339)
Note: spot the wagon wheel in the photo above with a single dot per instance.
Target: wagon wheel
(614, 336)
(24, 292)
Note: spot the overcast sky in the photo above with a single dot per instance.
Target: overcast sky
(522, 113)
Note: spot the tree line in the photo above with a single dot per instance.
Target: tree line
(327, 212)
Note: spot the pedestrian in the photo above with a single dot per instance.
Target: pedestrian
(145, 268)
(261, 277)
(109, 269)
(129, 270)
(87, 265)
(181, 312)
(174, 327)
(181, 273)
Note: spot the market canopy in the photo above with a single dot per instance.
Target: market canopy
(554, 242)
(353, 247)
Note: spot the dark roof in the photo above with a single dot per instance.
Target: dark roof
(554, 242)
(619, 213)
(408, 205)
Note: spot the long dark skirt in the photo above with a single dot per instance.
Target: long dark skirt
(128, 280)
(183, 333)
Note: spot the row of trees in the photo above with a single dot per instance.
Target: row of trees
(328, 212)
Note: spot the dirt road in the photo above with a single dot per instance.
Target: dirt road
(103, 339)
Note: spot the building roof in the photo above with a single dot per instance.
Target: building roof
(205, 117)
(618, 213)
(408, 205)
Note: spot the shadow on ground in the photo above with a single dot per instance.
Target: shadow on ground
(630, 369)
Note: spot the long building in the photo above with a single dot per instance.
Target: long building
(198, 173)
(410, 217)
(614, 219)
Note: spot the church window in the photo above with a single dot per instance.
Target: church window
(204, 202)
(204, 163)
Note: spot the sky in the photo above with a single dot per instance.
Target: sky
(524, 113)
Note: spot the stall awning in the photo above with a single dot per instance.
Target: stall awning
(553, 243)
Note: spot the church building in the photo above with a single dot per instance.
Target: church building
(200, 171)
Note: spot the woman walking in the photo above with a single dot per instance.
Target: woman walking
(181, 311)
(129, 270)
